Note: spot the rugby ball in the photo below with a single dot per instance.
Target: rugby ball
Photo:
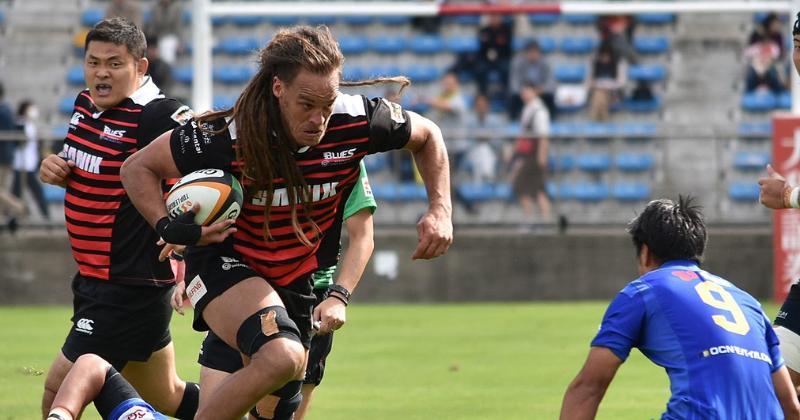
(218, 193)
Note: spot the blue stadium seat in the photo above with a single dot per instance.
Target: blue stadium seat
(567, 73)
(561, 163)
(52, 193)
(92, 16)
(462, 44)
(233, 74)
(357, 20)
(759, 102)
(284, 20)
(183, 74)
(564, 129)
(219, 20)
(465, 20)
(396, 20)
(245, 21)
(649, 73)
(784, 101)
(411, 191)
(642, 106)
(352, 45)
(423, 73)
(59, 131)
(376, 163)
(383, 70)
(755, 129)
(633, 130)
(502, 191)
(578, 44)
(594, 162)
(66, 105)
(388, 44)
(655, 18)
(751, 160)
(239, 45)
(426, 44)
(569, 108)
(75, 76)
(420, 107)
(353, 73)
(224, 101)
(744, 191)
(384, 191)
(2, 17)
(551, 188)
(651, 44)
(186, 16)
(580, 19)
(547, 44)
(476, 193)
(630, 191)
(634, 162)
(543, 18)
(321, 20)
(588, 191)
(597, 129)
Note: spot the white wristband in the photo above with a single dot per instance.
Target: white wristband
(793, 198)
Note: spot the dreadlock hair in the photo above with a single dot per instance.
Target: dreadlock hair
(672, 231)
(265, 148)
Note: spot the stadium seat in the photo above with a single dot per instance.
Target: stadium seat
(655, 18)
(186, 16)
(245, 21)
(547, 44)
(219, 20)
(465, 20)
(352, 45)
(462, 44)
(585, 191)
(383, 70)
(411, 191)
(353, 73)
(649, 73)
(384, 191)
(593, 162)
(630, 191)
(233, 74)
(92, 16)
(744, 191)
(239, 45)
(784, 101)
(561, 163)
(376, 163)
(755, 129)
(59, 131)
(321, 20)
(357, 20)
(564, 129)
(394, 20)
(651, 44)
(634, 130)
(284, 20)
(580, 19)
(184, 74)
(75, 76)
(2, 18)
(426, 44)
(53, 193)
(224, 101)
(570, 73)
(66, 105)
(476, 193)
(503, 191)
(543, 18)
(578, 44)
(758, 102)
(597, 129)
(634, 162)
(388, 44)
(423, 73)
(642, 106)
(751, 160)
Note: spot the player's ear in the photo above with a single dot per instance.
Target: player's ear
(141, 66)
(277, 87)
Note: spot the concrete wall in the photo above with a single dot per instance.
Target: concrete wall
(481, 266)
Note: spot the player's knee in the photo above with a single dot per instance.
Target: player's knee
(266, 325)
(289, 399)
(286, 358)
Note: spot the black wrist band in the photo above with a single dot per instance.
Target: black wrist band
(339, 289)
(161, 225)
(339, 298)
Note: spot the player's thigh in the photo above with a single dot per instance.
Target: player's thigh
(156, 376)
(226, 312)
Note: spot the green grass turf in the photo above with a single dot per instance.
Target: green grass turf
(476, 361)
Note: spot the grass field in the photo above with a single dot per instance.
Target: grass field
(477, 361)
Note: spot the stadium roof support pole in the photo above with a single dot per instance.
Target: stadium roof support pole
(201, 56)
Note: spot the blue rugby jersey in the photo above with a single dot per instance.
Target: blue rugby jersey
(713, 339)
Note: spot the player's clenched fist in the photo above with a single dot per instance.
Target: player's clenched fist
(773, 192)
(435, 236)
(55, 170)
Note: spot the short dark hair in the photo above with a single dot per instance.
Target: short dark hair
(532, 45)
(671, 231)
(119, 31)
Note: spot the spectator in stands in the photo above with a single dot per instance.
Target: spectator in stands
(531, 68)
(617, 31)
(770, 29)
(449, 110)
(762, 70)
(486, 127)
(529, 160)
(158, 68)
(128, 9)
(165, 21)
(606, 80)
(27, 157)
(494, 54)
(9, 205)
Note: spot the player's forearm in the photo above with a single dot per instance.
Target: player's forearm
(143, 187)
(433, 165)
(581, 401)
(786, 393)
(359, 251)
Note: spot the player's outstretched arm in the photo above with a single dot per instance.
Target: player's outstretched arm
(786, 393)
(584, 394)
(435, 229)
(331, 312)
(775, 192)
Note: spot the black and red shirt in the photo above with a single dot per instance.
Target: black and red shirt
(110, 240)
(357, 127)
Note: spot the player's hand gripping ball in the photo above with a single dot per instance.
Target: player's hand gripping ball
(218, 193)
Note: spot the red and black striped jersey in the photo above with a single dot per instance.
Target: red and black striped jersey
(357, 127)
(110, 240)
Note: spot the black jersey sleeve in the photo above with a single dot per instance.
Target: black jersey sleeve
(389, 125)
(160, 116)
(199, 145)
